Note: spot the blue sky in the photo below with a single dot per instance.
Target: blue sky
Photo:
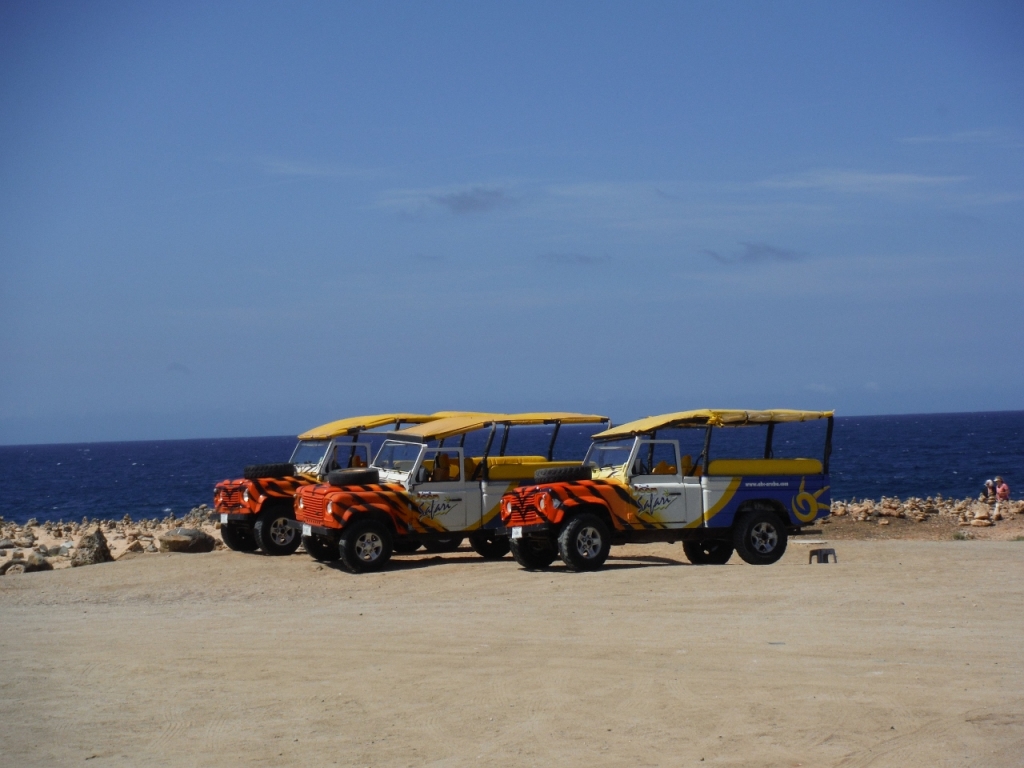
(241, 218)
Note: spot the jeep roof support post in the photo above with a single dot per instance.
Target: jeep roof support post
(482, 468)
(828, 444)
(504, 440)
(707, 449)
(554, 436)
(768, 440)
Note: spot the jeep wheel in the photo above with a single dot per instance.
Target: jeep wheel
(584, 543)
(273, 534)
(238, 536)
(365, 546)
(320, 548)
(15, 567)
(488, 545)
(760, 538)
(403, 545)
(708, 552)
(533, 553)
(446, 544)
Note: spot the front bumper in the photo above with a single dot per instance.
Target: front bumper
(313, 530)
(234, 516)
(525, 530)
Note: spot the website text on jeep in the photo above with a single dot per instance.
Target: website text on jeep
(720, 481)
(434, 484)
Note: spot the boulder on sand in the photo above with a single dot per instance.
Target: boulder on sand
(92, 549)
(187, 540)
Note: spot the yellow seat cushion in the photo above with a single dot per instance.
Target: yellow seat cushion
(522, 470)
(742, 467)
(494, 461)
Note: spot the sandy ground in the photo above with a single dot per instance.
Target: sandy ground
(904, 653)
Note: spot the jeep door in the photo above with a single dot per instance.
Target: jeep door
(446, 498)
(658, 484)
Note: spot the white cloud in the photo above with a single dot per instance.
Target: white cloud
(862, 182)
(995, 137)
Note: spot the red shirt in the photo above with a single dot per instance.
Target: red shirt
(1003, 492)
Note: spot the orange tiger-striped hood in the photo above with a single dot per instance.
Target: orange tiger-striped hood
(332, 507)
(230, 495)
(548, 503)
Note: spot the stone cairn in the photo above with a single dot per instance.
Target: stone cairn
(124, 535)
(976, 513)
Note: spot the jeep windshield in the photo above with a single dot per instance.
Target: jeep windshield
(309, 451)
(613, 453)
(396, 456)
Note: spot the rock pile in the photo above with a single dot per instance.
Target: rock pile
(54, 541)
(968, 512)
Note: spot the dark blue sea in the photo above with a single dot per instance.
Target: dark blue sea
(922, 455)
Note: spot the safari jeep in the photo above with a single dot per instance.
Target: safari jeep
(639, 482)
(434, 484)
(253, 510)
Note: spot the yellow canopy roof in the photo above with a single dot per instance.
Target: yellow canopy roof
(358, 423)
(457, 425)
(708, 416)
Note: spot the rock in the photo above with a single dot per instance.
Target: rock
(187, 540)
(25, 542)
(3, 553)
(151, 548)
(91, 550)
(884, 521)
(980, 523)
(37, 562)
(7, 544)
(135, 546)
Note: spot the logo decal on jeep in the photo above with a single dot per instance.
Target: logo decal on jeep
(652, 503)
(434, 506)
(805, 505)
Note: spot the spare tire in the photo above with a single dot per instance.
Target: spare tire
(563, 474)
(343, 477)
(256, 471)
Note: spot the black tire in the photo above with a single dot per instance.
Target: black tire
(584, 542)
(238, 536)
(489, 545)
(15, 567)
(365, 546)
(708, 552)
(342, 477)
(446, 544)
(760, 537)
(533, 553)
(404, 545)
(272, 532)
(320, 549)
(257, 471)
(563, 474)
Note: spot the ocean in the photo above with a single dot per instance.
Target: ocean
(873, 456)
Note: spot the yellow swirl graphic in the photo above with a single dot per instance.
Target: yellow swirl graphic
(805, 505)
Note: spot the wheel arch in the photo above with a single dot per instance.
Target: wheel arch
(763, 505)
(592, 507)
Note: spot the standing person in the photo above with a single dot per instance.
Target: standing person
(1002, 495)
(988, 492)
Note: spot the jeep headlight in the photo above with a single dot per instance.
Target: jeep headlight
(330, 508)
(301, 504)
(245, 495)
